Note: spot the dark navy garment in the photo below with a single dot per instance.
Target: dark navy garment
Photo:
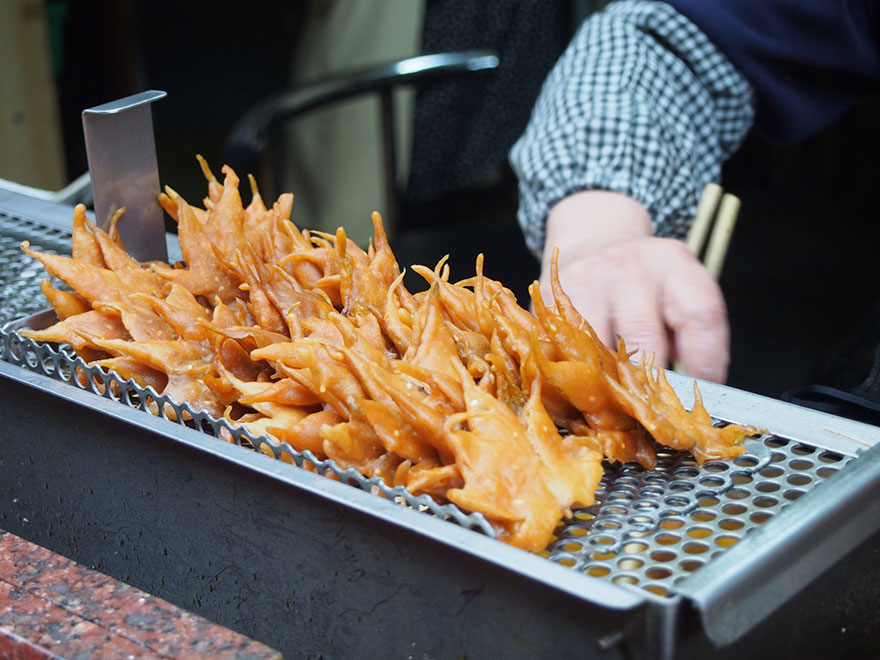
(808, 60)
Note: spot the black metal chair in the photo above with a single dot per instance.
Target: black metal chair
(250, 146)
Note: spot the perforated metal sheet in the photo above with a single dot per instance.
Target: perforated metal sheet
(654, 528)
(20, 276)
(648, 529)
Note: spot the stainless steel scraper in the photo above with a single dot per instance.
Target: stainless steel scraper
(121, 150)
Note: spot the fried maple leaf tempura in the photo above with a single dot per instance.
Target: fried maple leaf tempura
(455, 391)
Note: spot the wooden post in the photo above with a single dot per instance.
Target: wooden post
(31, 147)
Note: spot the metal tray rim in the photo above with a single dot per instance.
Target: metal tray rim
(482, 547)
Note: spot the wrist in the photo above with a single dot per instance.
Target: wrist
(592, 220)
(596, 218)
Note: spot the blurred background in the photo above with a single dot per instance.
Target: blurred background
(800, 276)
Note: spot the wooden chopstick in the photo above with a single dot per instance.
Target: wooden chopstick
(717, 211)
(706, 210)
(722, 231)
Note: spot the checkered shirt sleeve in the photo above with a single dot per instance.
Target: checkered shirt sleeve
(640, 103)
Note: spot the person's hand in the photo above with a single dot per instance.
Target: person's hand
(624, 281)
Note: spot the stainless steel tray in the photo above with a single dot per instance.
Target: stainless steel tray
(674, 562)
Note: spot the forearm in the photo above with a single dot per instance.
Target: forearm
(640, 104)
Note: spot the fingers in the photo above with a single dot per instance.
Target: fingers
(651, 291)
(581, 283)
(692, 311)
(595, 309)
(704, 347)
(619, 294)
(642, 328)
(659, 298)
(634, 311)
(697, 316)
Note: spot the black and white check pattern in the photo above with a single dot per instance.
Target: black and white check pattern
(641, 103)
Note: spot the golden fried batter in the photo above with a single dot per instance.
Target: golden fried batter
(456, 391)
